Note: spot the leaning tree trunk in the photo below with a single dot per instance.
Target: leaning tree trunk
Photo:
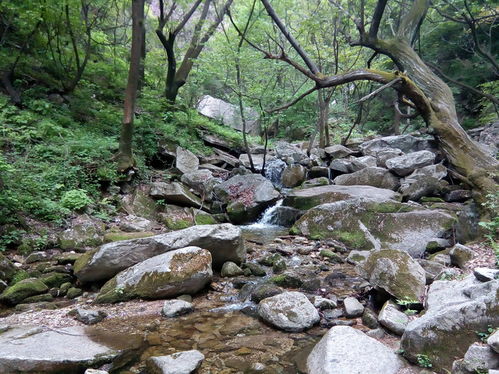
(125, 154)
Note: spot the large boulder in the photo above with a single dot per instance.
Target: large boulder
(201, 181)
(293, 175)
(288, 151)
(338, 151)
(247, 196)
(175, 193)
(370, 176)
(310, 197)
(397, 273)
(405, 143)
(405, 165)
(289, 311)
(69, 350)
(182, 271)
(392, 318)
(229, 114)
(347, 350)
(224, 241)
(84, 231)
(455, 312)
(186, 161)
(366, 224)
(21, 290)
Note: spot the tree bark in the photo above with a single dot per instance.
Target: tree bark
(125, 154)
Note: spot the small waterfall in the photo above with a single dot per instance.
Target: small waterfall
(266, 218)
(273, 171)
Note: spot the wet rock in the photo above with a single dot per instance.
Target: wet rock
(338, 151)
(186, 270)
(21, 290)
(396, 273)
(175, 193)
(135, 224)
(353, 308)
(279, 266)
(347, 350)
(486, 274)
(460, 255)
(178, 363)
(61, 351)
(289, 311)
(356, 223)
(293, 176)
(455, 310)
(186, 161)
(224, 241)
(493, 341)
(247, 196)
(270, 259)
(406, 143)
(370, 176)
(84, 232)
(175, 308)
(370, 319)
(405, 165)
(308, 198)
(230, 269)
(392, 318)
(264, 291)
(89, 317)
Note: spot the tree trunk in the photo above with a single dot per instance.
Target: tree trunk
(125, 154)
(323, 105)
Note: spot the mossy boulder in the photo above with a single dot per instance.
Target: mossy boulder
(366, 224)
(395, 272)
(182, 271)
(55, 279)
(7, 269)
(287, 280)
(21, 290)
(83, 232)
(115, 236)
(140, 203)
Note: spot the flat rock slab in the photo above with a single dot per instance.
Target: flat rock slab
(310, 197)
(177, 363)
(66, 350)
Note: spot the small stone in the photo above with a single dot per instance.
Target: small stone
(331, 314)
(95, 371)
(370, 319)
(279, 266)
(460, 255)
(376, 333)
(89, 317)
(255, 269)
(187, 298)
(174, 308)
(353, 308)
(263, 291)
(356, 257)
(486, 274)
(393, 319)
(74, 292)
(230, 269)
(36, 257)
(177, 363)
(322, 303)
(287, 280)
(331, 256)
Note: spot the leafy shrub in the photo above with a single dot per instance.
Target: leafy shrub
(75, 199)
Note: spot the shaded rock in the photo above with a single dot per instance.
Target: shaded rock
(493, 341)
(356, 223)
(23, 289)
(370, 319)
(455, 310)
(458, 196)
(293, 176)
(177, 363)
(175, 193)
(224, 241)
(84, 232)
(319, 172)
(186, 161)
(478, 358)
(182, 271)
(432, 269)
(264, 291)
(49, 351)
(95, 371)
(177, 218)
(416, 188)
(289, 311)
(359, 163)
(135, 224)
(405, 165)
(384, 155)
(247, 196)
(370, 176)
(322, 303)
(140, 203)
(230, 269)
(353, 308)
(347, 350)
(287, 280)
(437, 171)
(392, 318)
(486, 274)
(175, 308)
(55, 279)
(338, 151)
(36, 257)
(89, 317)
(7, 269)
(460, 255)
(310, 197)
(285, 216)
(74, 292)
(340, 165)
(396, 273)
(255, 269)
(406, 143)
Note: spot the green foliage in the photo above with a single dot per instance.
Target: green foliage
(10, 238)
(491, 227)
(19, 276)
(484, 335)
(424, 361)
(75, 200)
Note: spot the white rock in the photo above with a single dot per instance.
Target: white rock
(353, 308)
(177, 363)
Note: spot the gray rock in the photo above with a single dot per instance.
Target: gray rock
(230, 269)
(7, 268)
(437, 171)
(23, 289)
(370, 319)
(224, 241)
(89, 317)
(285, 150)
(378, 333)
(186, 161)
(396, 273)
(357, 257)
(65, 350)
(338, 151)
(478, 358)
(293, 176)
(432, 269)
(175, 193)
(177, 363)
(384, 155)
(289, 311)
(406, 143)
(486, 274)
(322, 303)
(458, 196)
(454, 311)
(182, 271)
(353, 308)
(392, 318)
(347, 350)
(421, 186)
(493, 341)
(359, 163)
(201, 181)
(370, 176)
(460, 255)
(340, 165)
(135, 224)
(405, 165)
(95, 371)
(84, 231)
(229, 114)
(176, 307)
(36, 257)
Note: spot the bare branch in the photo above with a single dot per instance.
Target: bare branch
(292, 102)
(377, 91)
(378, 14)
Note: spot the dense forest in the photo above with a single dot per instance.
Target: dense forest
(351, 133)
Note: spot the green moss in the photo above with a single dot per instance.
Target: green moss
(83, 261)
(118, 236)
(55, 279)
(23, 289)
(177, 224)
(39, 298)
(353, 239)
(19, 276)
(294, 230)
(204, 219)
(426, 199)
(331, 256)
(287, 281)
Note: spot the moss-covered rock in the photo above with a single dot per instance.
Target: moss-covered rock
(331, 256)
(287, 280)
(84, 232)
(203, 218)
(74, 292)
(23, 289)
(114, 236)
(7, 269)
(39, 298)
(55, 279)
